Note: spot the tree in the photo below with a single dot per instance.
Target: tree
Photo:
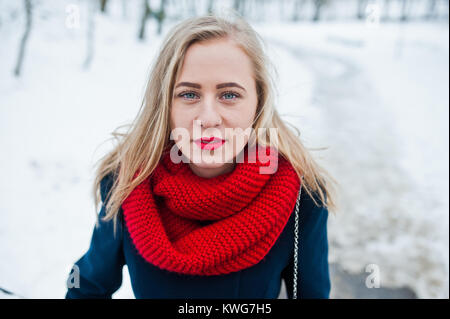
(93, 7)
(23, 42)
(239, 6)
(124, 9)
(318, 4)
(146, 14)
(431, 9)
(387, 4)
(103, 5)
(361, 10)
(405, 10)
(160, 15)
(210, 6)
(193, 8)
(298, 5)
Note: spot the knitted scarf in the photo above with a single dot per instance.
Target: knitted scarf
(192, 225)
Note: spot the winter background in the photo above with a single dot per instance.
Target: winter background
(366, 83)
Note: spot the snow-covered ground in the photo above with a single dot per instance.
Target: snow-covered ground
(382, 98)
(377, 97)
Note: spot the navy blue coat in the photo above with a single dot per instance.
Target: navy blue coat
(100, 268)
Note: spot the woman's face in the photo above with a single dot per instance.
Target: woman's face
(214, 96)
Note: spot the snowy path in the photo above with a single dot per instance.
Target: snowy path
(339, 83)
(383, 216)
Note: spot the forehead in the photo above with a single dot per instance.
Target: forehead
(216, 60)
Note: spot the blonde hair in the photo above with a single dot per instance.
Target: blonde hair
(148, 137)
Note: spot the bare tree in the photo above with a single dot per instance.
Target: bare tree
(281, 5)
(124, 9)
(23, 42)
(103, 5)
(258, 9)
(92, 8)
(210, 6)
(298, 6)
(318, 5)
(431, 9)
(250, 7)
(236, 5)
(361, 9)
(193, 8)
(239, 6)
(387, 5)
(405, 10)
(146, 14)
(160, 15)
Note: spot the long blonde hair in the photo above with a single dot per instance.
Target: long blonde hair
(148, 137)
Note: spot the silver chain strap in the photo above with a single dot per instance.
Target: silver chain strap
(297, 205)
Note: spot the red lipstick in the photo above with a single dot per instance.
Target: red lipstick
(209, 143)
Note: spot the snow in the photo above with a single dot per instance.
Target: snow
(382, 95)
(376, 96)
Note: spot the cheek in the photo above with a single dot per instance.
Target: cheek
(180, 126)
(243, 117)
(178, 118)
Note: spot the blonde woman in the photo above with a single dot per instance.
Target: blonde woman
(209, 194)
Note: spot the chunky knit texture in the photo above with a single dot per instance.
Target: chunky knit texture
(192, 225)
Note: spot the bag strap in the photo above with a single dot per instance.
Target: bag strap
(297, 207)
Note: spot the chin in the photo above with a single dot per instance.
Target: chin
(209, 165)
(208, 161)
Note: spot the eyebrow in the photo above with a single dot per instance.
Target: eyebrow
(218, 86)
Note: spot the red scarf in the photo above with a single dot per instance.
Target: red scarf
(166, 215)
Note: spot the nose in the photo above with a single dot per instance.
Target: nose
(209, 116)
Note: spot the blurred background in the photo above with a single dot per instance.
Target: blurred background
(366, 83)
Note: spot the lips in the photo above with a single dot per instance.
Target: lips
(209, 143)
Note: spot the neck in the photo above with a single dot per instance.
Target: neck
(213, 171)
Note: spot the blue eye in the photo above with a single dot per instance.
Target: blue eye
(231, 94)
(188, 95)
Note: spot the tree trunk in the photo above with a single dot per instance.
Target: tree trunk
(298, 5)
(103, 5)
(404, 16)
(317, 8)
(210, 6)
(387, 4)
(124, 9)
(361, 12)
(160, 16)
(93, 6)
(23, 42)
(145, 15)
(431, 9)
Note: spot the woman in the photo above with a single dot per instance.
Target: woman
(204, 197)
